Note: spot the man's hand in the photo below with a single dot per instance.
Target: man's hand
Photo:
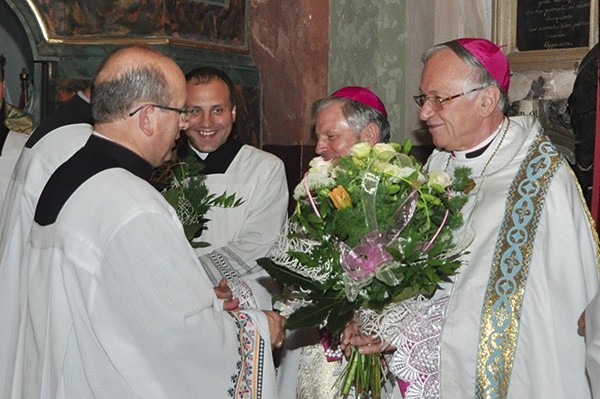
(222, 291)
(276, 328)
(366, 344)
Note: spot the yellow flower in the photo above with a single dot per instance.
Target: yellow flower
(340, 198)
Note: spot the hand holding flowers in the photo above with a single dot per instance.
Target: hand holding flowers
(370, 229)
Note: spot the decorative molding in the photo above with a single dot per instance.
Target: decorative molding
(149, 40)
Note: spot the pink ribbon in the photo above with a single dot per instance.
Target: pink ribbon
(362, 261)
(310, 197)
(430, 243)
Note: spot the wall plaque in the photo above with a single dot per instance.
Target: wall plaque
(545, 34)
(552, 24)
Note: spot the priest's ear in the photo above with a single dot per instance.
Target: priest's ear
(145, 120)
(370, 134)
(489, 98)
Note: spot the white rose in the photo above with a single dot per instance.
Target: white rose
(378, 166)
(360, 150)
(314, 181)
(397, 171)
(406, 171)
(384, 151)
(392, 170)
(320, 166)
(439, 180)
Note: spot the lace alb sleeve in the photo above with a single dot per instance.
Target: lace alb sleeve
(414, 328)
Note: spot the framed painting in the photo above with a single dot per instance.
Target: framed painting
(212, 24)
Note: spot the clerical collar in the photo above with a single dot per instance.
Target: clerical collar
(479, 149)
(98, 154)
(126, 158)
(83, 96)
(201, 154)
(218, 161)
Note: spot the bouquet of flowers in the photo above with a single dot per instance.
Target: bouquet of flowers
(182, 184)
(370, 229)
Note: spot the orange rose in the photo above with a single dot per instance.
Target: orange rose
(340, 198)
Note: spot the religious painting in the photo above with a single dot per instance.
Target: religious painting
(545, 34)
(189, 22)
(215, 21)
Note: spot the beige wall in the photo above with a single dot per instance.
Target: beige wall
(462, 18)
(421, 35)
(368, 45)
(379, 43)
(449, 19)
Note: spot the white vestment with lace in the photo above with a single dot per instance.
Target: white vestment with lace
(549, 359)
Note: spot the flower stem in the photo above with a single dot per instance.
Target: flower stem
(363, 373)
(351, 370)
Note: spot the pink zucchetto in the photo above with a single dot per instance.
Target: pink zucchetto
(491, 57)
(362, 95)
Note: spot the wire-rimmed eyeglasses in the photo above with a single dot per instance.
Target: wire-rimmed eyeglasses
(184, 113)
(437, 103)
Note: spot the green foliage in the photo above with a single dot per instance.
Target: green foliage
(182, 184)
(462, 177)
(423, 252)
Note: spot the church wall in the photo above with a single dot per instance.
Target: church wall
(368, 48)
(68, 40)
(284, 54)
(289, 41)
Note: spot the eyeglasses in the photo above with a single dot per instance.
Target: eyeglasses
(184, 113)
(437, 103)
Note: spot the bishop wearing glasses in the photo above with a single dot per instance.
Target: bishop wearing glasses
(508, 327)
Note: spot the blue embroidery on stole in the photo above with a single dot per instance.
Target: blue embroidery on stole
(510, 267)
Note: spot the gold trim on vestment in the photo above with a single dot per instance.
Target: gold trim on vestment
(500, 319)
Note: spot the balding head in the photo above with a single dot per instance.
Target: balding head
(130, 76)
(137, 96)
